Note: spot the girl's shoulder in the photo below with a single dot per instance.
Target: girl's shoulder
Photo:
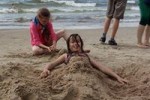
(34, 23)
(50, 24)
(65, 57)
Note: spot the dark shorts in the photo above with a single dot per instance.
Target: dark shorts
(116, 8)
(145, 13)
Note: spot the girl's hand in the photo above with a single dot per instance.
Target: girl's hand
(53, 47)
(122, 81)
(49, 49)
(45, 73)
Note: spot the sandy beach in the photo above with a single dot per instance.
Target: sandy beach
(19, 69)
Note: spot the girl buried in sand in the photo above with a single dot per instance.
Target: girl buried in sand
(43, 37)
(75, 51)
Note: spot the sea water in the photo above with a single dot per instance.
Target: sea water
(16, 14)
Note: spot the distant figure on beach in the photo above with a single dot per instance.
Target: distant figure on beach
(43, 37)
(75, 54)
(115, 10)
(13, 6)
(144, 24)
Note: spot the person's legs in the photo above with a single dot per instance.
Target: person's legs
(109, 16)
(147, 36)
(140, 32)
(118, 14)
(114, 31)
(37, 50)
(106, 28)
(107, 24)
(115, 27)
(60, 34)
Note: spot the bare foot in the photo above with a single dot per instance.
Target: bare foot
(147, 44)
(142, 46)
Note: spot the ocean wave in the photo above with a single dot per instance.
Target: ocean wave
(53, 9)
(131, 1)
(134, 8)
(8, 10)
(8, 2)
(73, 10)
(133, 15)
(71, 3)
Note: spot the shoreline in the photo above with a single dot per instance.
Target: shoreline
(97, 26)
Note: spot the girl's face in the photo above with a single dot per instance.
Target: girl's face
(43, 20)
(75, 44)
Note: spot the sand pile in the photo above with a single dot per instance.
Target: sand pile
(74, 81)
(139, 76)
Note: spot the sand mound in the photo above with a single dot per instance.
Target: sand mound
(20, 82)
(74, 81)
(139, 86)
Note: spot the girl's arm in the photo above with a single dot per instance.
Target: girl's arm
(35, 38)
(53, 36)
(52, 32)
(53, 64)
(107, 71)
(53, 47)
(43, 46)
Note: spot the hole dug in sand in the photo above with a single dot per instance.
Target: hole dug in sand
(25, 93)
(30, 97)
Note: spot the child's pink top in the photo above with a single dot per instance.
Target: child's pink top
(36, 33)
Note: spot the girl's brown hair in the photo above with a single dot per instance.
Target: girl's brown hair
(44, 12)
(75, 37)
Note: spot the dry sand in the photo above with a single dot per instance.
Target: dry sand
(19, 70)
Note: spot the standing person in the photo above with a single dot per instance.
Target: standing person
(75, 50)
(43, 37)
(115, 10)
(144, 24)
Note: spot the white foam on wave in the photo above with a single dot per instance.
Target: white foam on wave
(53, 9)
(13, 10)
(130, 20)
(132, 15)
(131, 1)
(8, 10)
(72, 3)
(77, 9)
(134, 8)
(30, 10)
